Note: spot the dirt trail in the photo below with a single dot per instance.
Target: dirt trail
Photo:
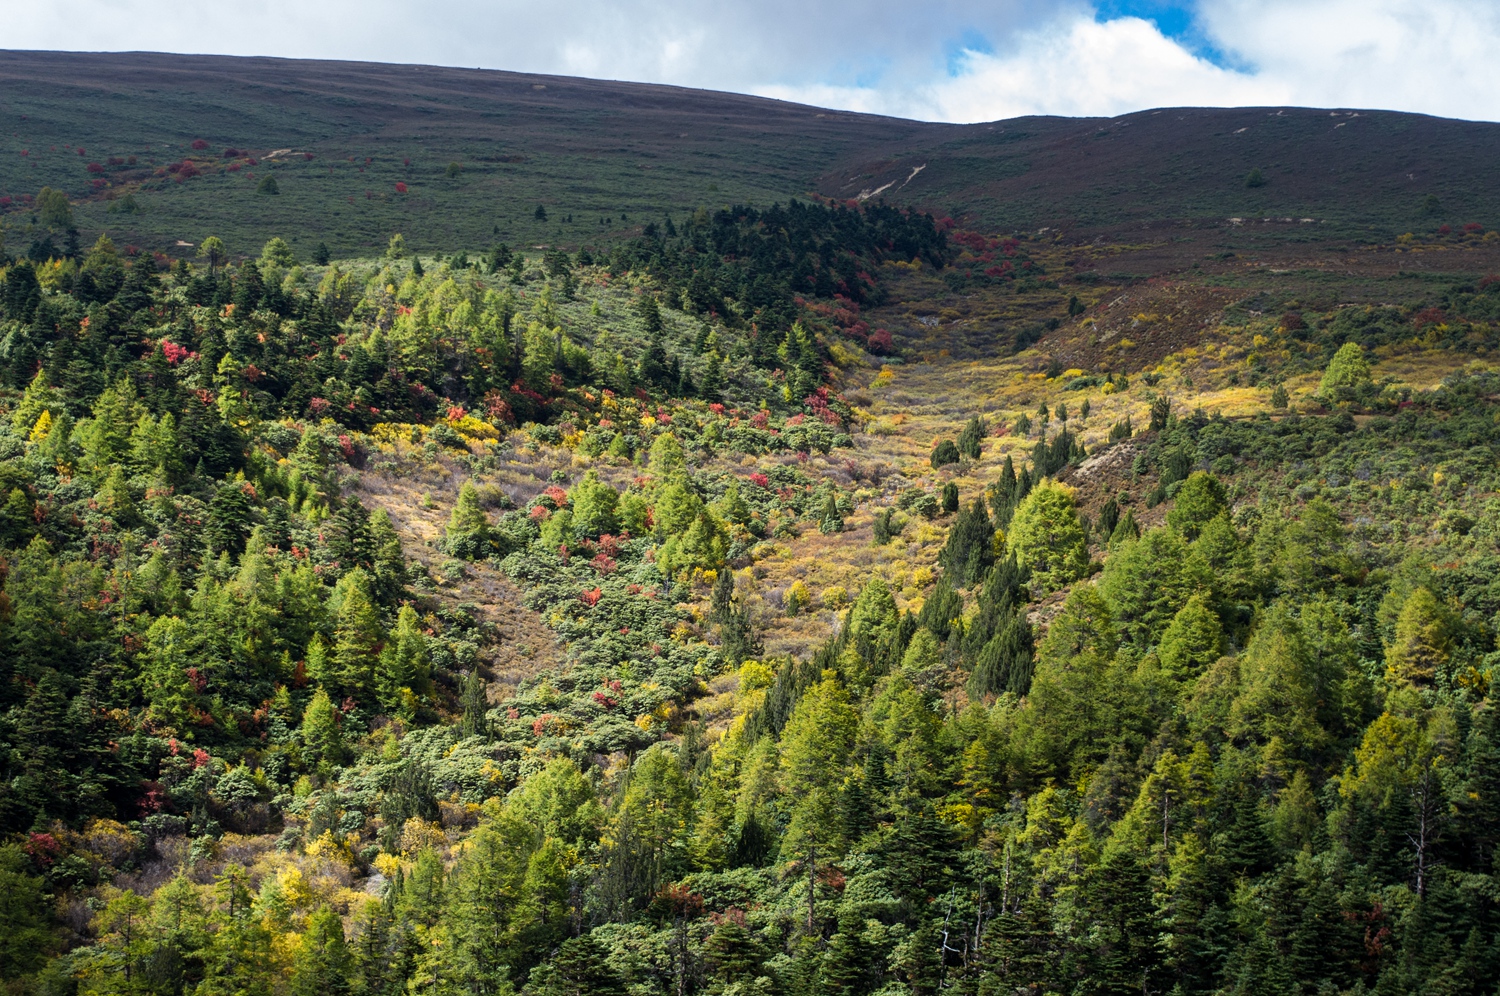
(523, 645)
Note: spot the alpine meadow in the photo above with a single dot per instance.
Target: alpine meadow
(467, 532)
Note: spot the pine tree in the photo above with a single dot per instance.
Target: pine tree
(830, 521)
(357, 635)
(970, 440)
(322, 964)
(404, 662)
(970, 550)
(321, 739)
(1192, 642)
(847, 961)
(468, 535)
(711, 388)
(475, 722)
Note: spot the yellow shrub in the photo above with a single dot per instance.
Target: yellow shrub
(473, 428)
(417, 834)
(755, 675)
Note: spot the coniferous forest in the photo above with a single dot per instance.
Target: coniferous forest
(457, 624)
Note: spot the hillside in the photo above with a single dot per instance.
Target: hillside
(593, 151)
(795, 600)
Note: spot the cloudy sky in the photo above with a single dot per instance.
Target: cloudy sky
(953, 60)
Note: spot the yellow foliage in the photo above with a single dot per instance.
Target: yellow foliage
(42, 427)
(417, 834)
(473, 428)
(387, 864)
(394, 432)
(755, 675)
(296, 890)
(335, 848)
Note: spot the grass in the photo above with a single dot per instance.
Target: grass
(630, 153)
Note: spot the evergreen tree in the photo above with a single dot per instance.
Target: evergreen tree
(322, 963)
(970, 551)
(970, 439)
(476, 705)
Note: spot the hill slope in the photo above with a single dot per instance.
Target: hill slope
(604, 156)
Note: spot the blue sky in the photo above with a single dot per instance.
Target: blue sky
(956, 60)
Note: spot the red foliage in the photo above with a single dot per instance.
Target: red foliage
(197, 679)
(200, 757)
(455, 412)
(43, 848)
(609, 545)
(307, 157)
(1473, 228)
(400, 188)
(152, 799)
(497, 408)
(591, 598)
(319, 405)
(1429, 316)
(760, 480)
(540, 725)
(4, 202)
(200, 144)
(604, 564)
(556, 495)
(880, 341)
(678, 900)
(1445, 229)
(95, 167)
(174, 353)
(346, 446)
(761, 419)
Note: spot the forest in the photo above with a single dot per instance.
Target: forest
(1192, 704)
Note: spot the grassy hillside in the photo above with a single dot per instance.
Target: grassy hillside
(586, 150)
(1349, 172)
(594, 152)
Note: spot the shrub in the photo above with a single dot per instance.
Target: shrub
(1347, 376)
(798, 599)
(945, 453)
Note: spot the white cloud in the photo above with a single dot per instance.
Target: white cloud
(888, 56)
(1430, 56)
(1075, 66)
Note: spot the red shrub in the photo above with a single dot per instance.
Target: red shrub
(199, 144)
(400, 188)
(95, 167)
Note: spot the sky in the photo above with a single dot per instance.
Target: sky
(936, 60)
